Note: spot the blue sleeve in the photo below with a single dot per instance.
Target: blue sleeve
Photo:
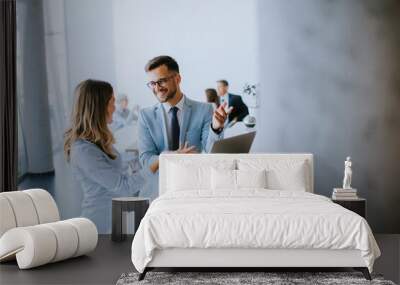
(96, 167)
(148, 152)
(208, 135)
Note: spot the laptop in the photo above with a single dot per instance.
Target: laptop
(237, 144)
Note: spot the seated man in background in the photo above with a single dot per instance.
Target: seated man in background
(177, 123)
(122, 115)
(235, 102)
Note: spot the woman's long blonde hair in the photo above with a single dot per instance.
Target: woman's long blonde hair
(89, 117)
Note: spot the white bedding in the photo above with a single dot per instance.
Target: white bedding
(251, 218)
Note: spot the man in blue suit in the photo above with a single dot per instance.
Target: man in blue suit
(239, 108)
(176, 123)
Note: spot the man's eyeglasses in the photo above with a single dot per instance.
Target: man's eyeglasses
(162, 82)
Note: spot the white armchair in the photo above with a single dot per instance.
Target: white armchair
(32, 233)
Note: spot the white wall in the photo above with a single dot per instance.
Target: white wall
(209, 39)
(89, 37)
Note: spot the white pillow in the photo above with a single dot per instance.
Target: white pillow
(222, 179)
(251, 178)
(290, 179)
(193, 175)
(282, 174)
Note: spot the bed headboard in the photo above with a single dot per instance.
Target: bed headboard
(210, 158)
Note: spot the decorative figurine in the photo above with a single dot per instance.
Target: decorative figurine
(347, 173)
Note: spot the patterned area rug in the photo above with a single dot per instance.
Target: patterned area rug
(243, 278)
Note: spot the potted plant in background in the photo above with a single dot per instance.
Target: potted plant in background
(250, 95)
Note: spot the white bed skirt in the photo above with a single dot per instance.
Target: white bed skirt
(192, 257)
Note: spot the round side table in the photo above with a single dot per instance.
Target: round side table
(126, 204)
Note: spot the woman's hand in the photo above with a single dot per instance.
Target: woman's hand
(186, 149)
(182, 149)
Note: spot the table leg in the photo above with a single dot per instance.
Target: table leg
(140, 211)
(116, 234)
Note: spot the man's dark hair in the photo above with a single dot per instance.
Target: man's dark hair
(166, 60)
(223, 81)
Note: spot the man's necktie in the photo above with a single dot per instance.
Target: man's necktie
(175, 130)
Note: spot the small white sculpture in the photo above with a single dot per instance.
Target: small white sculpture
(347, 173)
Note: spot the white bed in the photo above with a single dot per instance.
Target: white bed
(201, 219)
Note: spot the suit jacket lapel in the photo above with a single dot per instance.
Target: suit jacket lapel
(229, 99)
(230, 116)
(162, 124)
(187, 112)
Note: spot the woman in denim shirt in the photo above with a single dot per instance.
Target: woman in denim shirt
(96, 164)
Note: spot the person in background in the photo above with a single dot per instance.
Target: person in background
(95, 163)
(240, 109)
(123, 116)
(212, 97)
(176, 123)
(123, 110)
